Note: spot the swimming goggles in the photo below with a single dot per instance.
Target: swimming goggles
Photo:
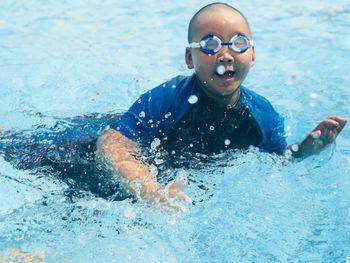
(210, 44)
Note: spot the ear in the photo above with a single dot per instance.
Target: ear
(188, 58)
(253, 57)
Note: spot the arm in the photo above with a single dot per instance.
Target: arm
(320, 137)
(118, 153)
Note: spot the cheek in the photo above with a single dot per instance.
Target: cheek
(203, 61)
(244, 63)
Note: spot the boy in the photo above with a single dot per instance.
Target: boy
(203, 114)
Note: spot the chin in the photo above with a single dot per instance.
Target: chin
(229, 91)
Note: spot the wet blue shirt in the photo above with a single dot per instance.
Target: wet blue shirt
(184, 118)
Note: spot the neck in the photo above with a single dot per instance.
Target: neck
(223, 100)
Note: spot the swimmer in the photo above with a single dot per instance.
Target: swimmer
(203, 114)
(206, 113)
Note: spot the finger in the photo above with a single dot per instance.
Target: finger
(330, 123)
(183, 197)
(182, 208)
(167, 208)
(341, 122)
(171, 206)
(333, 131)
(180, 182)
(338, 119)
(175, 185)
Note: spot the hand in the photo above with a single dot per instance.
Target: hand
(170, 197)
(325, 133)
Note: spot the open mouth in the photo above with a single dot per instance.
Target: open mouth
(227, 74)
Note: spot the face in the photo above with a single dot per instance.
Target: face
(223, 23)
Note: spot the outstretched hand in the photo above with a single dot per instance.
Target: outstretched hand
(324, 134)
(170, 198)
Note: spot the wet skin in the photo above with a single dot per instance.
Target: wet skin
(224, 23)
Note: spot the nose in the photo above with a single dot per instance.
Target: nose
(225, 56)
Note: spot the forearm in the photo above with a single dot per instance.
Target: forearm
(118, 153)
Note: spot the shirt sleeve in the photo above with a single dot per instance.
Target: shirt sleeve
(270, 121)
(154, 112)
(275, 138)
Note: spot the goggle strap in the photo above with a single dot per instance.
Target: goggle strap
(195, 45)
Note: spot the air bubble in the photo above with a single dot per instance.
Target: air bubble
(227, 142)
(212, 128)
(173, 86)
(142, 114)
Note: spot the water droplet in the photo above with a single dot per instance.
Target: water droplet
(142, 114)
(288, 154)
(312, 99)
(158, 161)
(191, 145)
(164, 85)
(155, 143)
(173, 86)
(313, 95)
(139, 101)
(193, 99)
(220, 69)
(227, 142)
(295, 147)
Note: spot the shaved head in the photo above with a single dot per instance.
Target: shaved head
(207, 9)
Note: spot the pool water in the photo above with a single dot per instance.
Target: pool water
(60, 59)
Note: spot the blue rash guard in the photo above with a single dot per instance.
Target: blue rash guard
(178, 113)
(184, 118)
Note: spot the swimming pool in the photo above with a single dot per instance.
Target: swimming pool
(67, 58)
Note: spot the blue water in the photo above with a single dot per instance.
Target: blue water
(67, 58)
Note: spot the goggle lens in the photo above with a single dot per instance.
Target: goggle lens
(211, 44)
